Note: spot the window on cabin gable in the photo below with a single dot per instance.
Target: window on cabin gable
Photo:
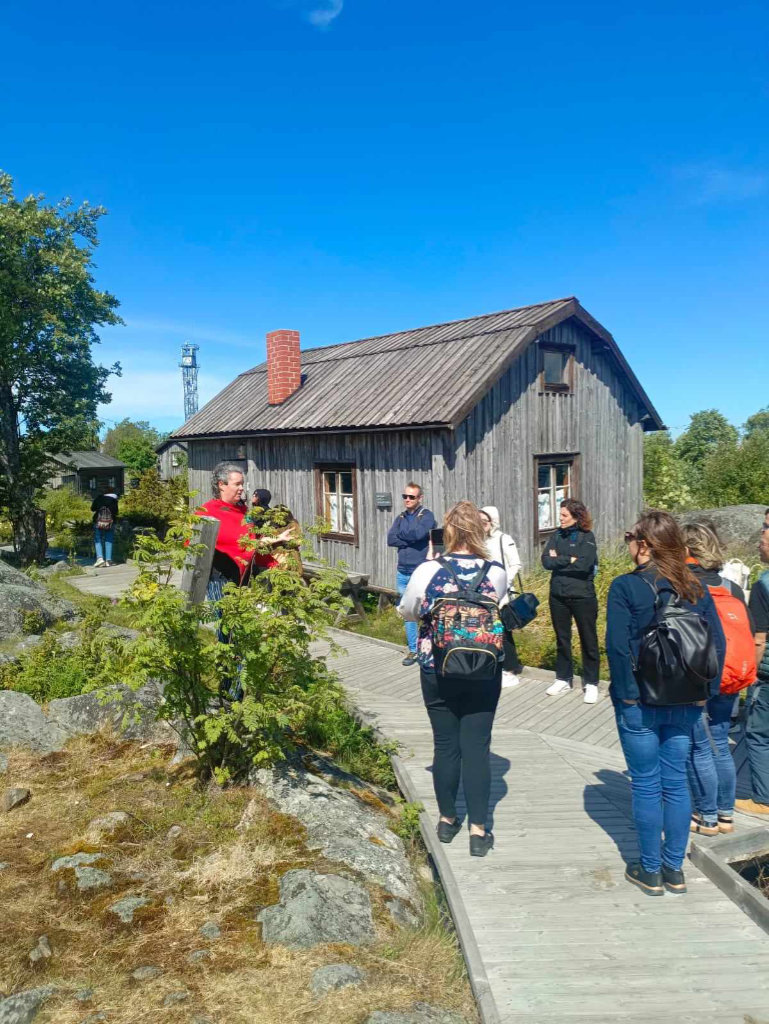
(555, 368)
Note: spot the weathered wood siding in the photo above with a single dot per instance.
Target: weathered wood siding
(174, 453)
(488, 459)
(598, 421)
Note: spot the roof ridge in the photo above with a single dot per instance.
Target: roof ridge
(444, 323)
(261, 367)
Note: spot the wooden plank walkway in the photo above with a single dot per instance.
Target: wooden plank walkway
(556, 934)
(551, 932)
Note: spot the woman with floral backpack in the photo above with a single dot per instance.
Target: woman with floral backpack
(455, 599)
(710, 768)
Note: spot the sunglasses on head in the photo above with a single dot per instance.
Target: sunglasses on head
(410, 497)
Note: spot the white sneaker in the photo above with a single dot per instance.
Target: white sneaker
(98, 562)
(591, 693)
(510, 679)
(559, 686)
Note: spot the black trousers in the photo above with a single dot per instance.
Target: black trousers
(511, 663)
(461, 715)
(584, 611)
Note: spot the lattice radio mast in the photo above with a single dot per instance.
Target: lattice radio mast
(189, 365)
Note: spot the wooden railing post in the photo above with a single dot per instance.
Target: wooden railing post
(197, 568)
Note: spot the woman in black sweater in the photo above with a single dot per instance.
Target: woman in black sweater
(572, 557)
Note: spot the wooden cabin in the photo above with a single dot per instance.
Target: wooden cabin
(172, 458)
(518, 409)
(86, 473)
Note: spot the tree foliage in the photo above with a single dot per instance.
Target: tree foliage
(706, 431)
(133, 442)
(49, 312)
(757, 423)
(665, 483)
(154, 502)
(244, 695)
(737, 474)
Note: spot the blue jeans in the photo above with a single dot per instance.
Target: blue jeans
(401, 582)
(712, 776)
(655, 742)
(102, 540)
(757, 742)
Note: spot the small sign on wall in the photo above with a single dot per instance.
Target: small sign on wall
(384, 499)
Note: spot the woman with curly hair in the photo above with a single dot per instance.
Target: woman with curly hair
(572, 557)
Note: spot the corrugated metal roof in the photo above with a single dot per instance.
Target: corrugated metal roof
(89, 460)
(430, 375)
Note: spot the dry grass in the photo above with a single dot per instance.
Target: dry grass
(211, 871)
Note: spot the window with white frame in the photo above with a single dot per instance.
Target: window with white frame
(554, 484)
(337, 500)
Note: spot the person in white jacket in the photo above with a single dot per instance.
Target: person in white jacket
(502, 548)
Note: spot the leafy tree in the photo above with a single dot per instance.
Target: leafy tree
(133, 442)
(154, 502)
(665, 484)
(49, 312)
(706, 431)
(759, 421)
(269, 627)
(737, 474)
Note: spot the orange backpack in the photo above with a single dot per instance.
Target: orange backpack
(740, 661)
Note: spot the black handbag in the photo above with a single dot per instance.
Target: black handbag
(677, 658)
(520, 610)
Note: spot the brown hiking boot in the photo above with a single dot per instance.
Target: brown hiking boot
(751, 807)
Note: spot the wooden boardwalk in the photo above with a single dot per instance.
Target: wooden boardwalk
(551, 931)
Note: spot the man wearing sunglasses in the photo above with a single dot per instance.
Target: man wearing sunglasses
(410, 534)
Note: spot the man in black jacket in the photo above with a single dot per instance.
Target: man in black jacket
(571, 556)
(410, 534)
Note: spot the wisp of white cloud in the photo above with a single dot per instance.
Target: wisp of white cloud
(715, 184)
(322, 17)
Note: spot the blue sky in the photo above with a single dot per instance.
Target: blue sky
(350, 167)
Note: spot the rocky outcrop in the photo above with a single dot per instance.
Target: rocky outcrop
(24, 723)
(335, 976)
(736, 524)
(341, 827)
(314, 909)
(20, 595)
(23, 1007)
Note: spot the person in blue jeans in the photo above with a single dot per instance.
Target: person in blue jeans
(655, 740)
(711, 769)
(410, 534)
(105, 512)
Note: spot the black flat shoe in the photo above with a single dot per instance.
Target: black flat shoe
(410, 659)
(480, 845)
(447, 830)
(673, 880)
(649, 882)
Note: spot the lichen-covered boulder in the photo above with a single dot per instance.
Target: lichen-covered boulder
(736, 524)
(20, 595)
(314, 909)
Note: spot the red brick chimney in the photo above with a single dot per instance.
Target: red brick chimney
(284, 368)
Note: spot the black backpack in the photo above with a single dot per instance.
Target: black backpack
(467, 630)
(677, 658)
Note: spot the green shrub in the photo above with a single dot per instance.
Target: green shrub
(270, 626)
(50, 670)
(153, 502)
(32, 622)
